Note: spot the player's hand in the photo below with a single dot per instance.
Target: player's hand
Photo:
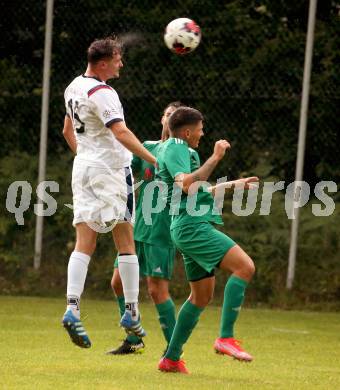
(220, 148)
(248, 183)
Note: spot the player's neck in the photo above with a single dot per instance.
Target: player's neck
(178, 136)
(92, 73)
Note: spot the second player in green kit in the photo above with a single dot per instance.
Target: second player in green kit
(155, 249)
(203, 247)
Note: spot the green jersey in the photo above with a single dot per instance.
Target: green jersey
(158, 232)
(174, 157)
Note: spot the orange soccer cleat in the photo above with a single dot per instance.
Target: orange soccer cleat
(168, 365)
(230, 346)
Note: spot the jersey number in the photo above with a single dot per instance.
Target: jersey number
(78, 124)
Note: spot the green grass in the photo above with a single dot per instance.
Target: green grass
(292, 350)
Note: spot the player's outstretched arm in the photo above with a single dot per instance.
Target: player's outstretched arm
(247, 183)
(131, 142)
(202, 174)
(68, 133)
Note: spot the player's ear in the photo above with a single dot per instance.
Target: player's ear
(102, 64)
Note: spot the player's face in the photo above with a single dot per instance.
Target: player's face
(164, 121)
(113, 66)
(165, 117)
(194, 135)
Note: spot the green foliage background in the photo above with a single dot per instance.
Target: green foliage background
(246, 78)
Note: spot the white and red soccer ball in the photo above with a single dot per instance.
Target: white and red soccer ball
(182, 36)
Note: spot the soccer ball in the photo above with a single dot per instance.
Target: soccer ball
(182, 36)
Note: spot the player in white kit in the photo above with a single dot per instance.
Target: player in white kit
(102, 183)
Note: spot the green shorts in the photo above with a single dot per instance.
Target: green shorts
(203, 248)
(155, 261)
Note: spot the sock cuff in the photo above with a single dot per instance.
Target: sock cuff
(165, 306)
(72, 296)
(130, 259)
(191, 308)
(120, 298)
(133, 339)
(83, 257)
(238, 280)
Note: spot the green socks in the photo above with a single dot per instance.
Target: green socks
(233, 299)
(133, 339)
(187, 319)
(167, 318)
(121, 303)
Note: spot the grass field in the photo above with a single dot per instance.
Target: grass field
(292, 350)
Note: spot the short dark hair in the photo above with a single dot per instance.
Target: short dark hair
(184, 116)
(101, 49)
(175, 104)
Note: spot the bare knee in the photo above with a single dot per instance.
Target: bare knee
(252, 269)
(85, 247)
(247, 270)
(86, 239)
(201, 300)
(158, 290)
(123, 238)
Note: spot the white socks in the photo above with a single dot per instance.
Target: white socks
(76, 276)
(129, 273)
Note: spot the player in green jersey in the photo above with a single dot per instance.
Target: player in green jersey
(203, 247)
(155, 249)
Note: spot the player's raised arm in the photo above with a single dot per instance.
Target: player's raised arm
(68, 133)
(186, 127)
(203, 173)
(131, 142)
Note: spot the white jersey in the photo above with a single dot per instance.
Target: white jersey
(93, 107)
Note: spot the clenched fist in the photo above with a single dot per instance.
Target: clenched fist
(220, 148)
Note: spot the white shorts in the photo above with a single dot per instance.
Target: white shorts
(102, 195)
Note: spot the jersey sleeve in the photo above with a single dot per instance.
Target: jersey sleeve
(178, 159)
(107, 103)
(194, 160)
(136, 164)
